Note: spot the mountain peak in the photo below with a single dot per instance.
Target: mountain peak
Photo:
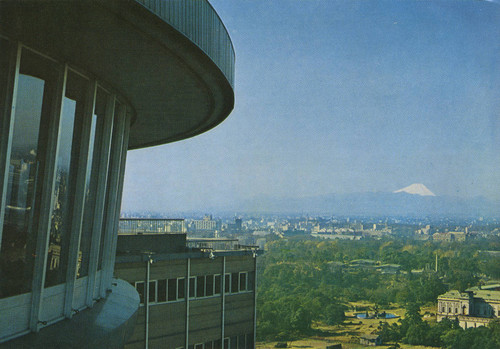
(416, 189)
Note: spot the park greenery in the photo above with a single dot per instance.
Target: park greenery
(305, 281)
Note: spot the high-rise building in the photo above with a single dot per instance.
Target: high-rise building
(81, 82)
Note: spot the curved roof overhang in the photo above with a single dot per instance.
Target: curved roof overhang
(175, 89)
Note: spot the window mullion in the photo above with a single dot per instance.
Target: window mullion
(104, 150)
(111, 224)
(116, 218)
(7, 124)
(79, 198)
(47, 200)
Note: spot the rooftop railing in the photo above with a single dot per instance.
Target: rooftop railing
(151, 225)
(199, 22)
(218, 244)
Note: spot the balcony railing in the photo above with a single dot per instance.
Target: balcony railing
(199, 22)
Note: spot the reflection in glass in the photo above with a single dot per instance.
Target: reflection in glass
(66, 163)
(110, 190)
(91, 182)
(18, 240)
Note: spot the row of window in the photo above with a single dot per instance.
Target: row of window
(175, 289)
(244, 341)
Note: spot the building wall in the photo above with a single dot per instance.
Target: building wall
(222, 312)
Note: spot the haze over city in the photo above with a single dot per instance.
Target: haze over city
(341, 97)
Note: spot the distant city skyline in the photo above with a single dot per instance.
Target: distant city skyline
(342, 97)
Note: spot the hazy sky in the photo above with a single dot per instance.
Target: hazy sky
(342, 96)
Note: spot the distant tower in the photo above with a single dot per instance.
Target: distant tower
(238, 224)
(436, 262)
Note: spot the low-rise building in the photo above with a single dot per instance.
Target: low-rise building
(195, 293)
(370, 340)
(472, 308)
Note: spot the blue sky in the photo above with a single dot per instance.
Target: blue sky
(339, 97)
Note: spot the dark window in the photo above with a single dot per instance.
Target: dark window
(251, 281)
(226, 343)
(234, 282)
(172, 290)
(241, 342)
(162, 290)
(250, 343)
(217, 284)
(209, 345)
(227, 281)
(243, 281)
(198, 346)
(200, 286)
(234, 342)
(139, 286)
(218, 344)
(152, 291)
(210, 285)
(191, 346)
(181, 287)
(192, 287)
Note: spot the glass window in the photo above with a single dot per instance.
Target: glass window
(250, 343)
(96, 137)
(172, 289)
(162, 290)
(234, 282)
(251, 281)
(25, 172)
(218, 344)
(243, 281)
(198, 346)
(210, 285)
(200, 286)
(192, 287)
(181, 287)
(209, 345)
(241, 342)
(152, 292)
(109, 190)
(234, 342)
(226, 343)
(66, 166)
(139, 286)
(217, 284)
(227, 283)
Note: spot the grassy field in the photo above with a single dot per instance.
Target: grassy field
(348, 333)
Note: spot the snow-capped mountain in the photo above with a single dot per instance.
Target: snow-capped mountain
(416, 189)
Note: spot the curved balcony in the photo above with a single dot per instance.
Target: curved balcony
(172, 60)
(208, 31)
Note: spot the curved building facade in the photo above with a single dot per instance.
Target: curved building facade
(81, 82)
